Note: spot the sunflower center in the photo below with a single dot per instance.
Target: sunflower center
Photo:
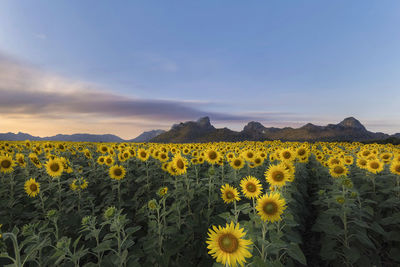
(228, 243)
(338, 170)
(286, 155)
(363, 162)
(163, 156)
(301, 152)
(33, 187)
(229, 195)
(278, 176)
(257, 161)
(54, 167)
(104, 149)
(374, 165)
(118, 172)
(385, 156)
(6, 164)
(108, 160)
(237, 162)
(212, 155)
(251, 187)
(180, 164)
(21, 160)
(270, 208)
(143, 154)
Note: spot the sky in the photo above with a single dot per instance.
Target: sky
(124, 67)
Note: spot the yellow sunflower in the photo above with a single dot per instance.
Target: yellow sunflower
(117, 172)
(142, 154)
(338, 170)
(251, 187)
(212, 156)
(270, 207)
(229, 193)
(237, 163)
(227, 246)
(54, 167)
(32, 188)
(362, 163)
(395, 167)
(277, 175)
(6, 164)
(101, 160)
(180, 164)
(287, 154)
(374, 166)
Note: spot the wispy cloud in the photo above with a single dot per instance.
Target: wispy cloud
(30, 93)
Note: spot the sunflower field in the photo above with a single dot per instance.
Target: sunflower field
(211, 204)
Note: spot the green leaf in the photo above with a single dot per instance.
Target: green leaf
(352, 254)
(296, 253)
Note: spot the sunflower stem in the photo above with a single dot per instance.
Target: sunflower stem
(59, 193)
(119, 194)
(236, 212)
(263, 248)
(42, 203)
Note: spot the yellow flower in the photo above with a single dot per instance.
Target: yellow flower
(338, 170)
(227, 246)
(251, 187)
(117, 172)
(32, 188)
(277, 175)
(374, 166)
(6, 164)
(179, 163)
(237, 163)
(55, 167)
(395, 167)
(229, 193)
(270, 207)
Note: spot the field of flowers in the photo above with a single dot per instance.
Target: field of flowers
(214, 204)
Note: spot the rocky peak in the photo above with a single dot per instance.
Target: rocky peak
(254, 126)
(204, 122)
(352, 123)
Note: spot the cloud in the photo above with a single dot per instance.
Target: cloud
(31, 94)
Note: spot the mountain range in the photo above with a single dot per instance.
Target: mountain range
(350, 129)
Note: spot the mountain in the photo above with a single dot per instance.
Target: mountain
(63, 137)
(146, 136)
(350, 129)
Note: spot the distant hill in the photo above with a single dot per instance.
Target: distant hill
(146, 136)
(106, 138)
(350, 129)
(63, 137)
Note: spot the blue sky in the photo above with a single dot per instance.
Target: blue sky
(283, 63)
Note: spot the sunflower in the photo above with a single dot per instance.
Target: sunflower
(109, 160)
(6, 164)
(142, 154)
(362, 163)
(35, 160)
(117, 172)
(212, 156)
(287, 154)
(163, 157)
(227, 246)
(229, 193)
(54, 167)
(270, 207)
(180, 164)
(251, 187)
(237, 163)
(277, 175)
(20, 158)
(248, 155)
(338, 170)
(103, 149)
(101, 160)
(374, 166)
(395, 167)
(32, 188)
